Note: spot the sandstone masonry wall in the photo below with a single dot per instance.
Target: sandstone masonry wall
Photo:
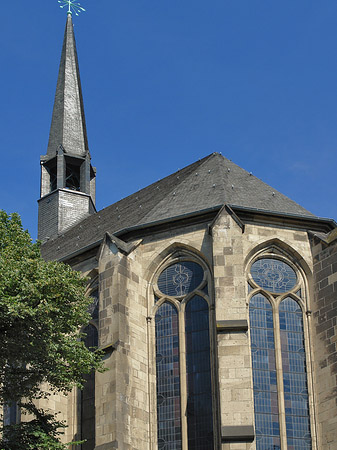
(324, 311)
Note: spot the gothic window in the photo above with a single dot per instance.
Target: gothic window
(280, 377)
(183, 358)
(88, 393)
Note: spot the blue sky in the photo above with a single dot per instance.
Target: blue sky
(168, 82)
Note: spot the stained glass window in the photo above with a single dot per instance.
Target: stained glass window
(299, 293)
(273, 275)
(180, 278)
(264, 374)
(198, 368)
(278, 277)
(294, 376)
(88, 417)
(168, 378)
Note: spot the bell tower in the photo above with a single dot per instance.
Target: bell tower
(67, 177)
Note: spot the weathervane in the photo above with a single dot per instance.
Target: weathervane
(73, 6)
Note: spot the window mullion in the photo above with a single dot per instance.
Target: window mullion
(279, 375)
(183, 378)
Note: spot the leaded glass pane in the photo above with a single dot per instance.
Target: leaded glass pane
(198, 368)
(273, 275)
(264, 374)
(294, 376)
(299, 293)
(168, 378)
(180, 278)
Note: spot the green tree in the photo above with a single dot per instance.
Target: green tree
(42, 310)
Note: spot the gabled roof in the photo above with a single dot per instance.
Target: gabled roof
(68, 128)
(205, 184)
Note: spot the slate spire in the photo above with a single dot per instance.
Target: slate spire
(68, 180)
(68, 128)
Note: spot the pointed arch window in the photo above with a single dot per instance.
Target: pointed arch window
(280, 378)
(183, 358)
(87, 404)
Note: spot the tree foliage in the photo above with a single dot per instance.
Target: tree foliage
(41, 433)
(42, 310)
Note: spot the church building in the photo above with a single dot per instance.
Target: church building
(214, 301)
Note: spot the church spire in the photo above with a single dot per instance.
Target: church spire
(67, 178)
(68, 128)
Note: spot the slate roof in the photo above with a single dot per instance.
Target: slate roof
(68, 126)
(207, 183)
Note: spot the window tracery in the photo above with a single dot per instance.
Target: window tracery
(183, 358)
(280, 379)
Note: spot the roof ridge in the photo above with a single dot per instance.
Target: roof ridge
(207, 183)
(266, 185)
(222, 179)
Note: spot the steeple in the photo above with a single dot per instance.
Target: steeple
(68, 126)
(67, 177)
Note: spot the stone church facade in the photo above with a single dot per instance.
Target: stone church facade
(214, 300)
